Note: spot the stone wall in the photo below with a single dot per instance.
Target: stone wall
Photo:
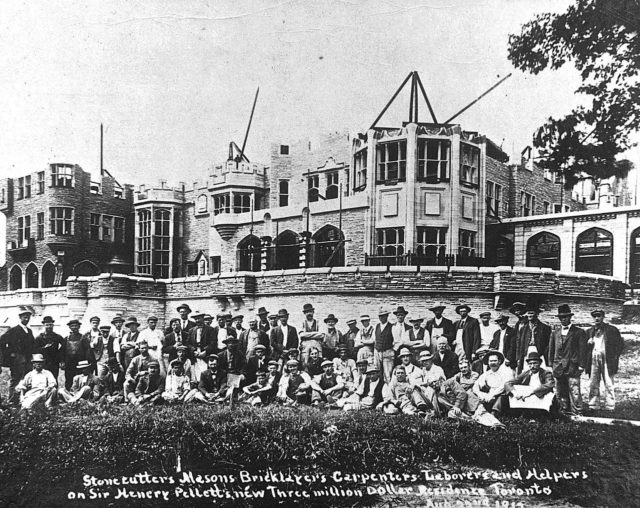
(345, 291)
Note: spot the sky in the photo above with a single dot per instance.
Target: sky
(173, 81)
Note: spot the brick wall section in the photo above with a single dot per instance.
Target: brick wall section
(79, 246)
(195, 235)
(499, 173)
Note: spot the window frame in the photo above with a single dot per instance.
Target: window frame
(384, 162)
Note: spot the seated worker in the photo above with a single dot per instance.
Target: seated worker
(457, 403)
(177, 387)
(38, 387)
(255, 362)
(86, 385)
(138, 365)
(149, 387)
(112, 385)
(425, 383)
(359, 375)
(343, 365)
(446, 359)
(212, 385)
(328, 387)
(466, 377)
(490, 386)
(314, 363)
(406, 360)
(531, 392)
(295, 387)
(396, 394)
(369, 393)
(259, 393)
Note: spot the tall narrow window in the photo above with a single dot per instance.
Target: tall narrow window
(469, 165)
(161, 243)
(27, 186)
(20, 188)
(144, 242)
(360, 170)
(467, 244)
(433, 160)
(221, 204)
(118, 230)
(24, 230)
(432, 243)
(107, 228)
(392, 162)
(283, 196)
(494, 199)
(333, 187)
(313, 184)
(41, 182)
(241, 203)
(527, 204)
(40, 219)
(94, 228)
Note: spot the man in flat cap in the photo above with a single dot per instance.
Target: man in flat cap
(365, 339)
(383, 352)
(128, 342)
(567, 359)
(16, 348)
(49, 345)
(310, 334)
(439, 325)
(328, 387)
(149, 387)
(532, 335)
(349, 337)
(75, 349)
(38, 386)
(487, 328)
(604, 347)
(504, 340)
(97, 344)
(296, 386)
(260, 392)
(115, 338)
(467, 339)
(177, 386)
(284, 336)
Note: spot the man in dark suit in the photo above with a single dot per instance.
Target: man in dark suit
(16, 348)
(533, 333)
(49, 345)
(445, 359)
(567, 349)
(172, 339)
(504, 340)
(440, 326)
(263, 323)
(467, 339)
(255, 363)
(531, 398)
(186, 324)
(604, 346)
(284, 336)
(202, 340)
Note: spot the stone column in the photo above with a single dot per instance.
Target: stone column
(304, 249)
(411, 190)
(265, 243)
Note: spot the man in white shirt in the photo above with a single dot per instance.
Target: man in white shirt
(153, 337)
(116, 333)
(38, 386)
(490, 386)
(425, 385)
(96, 342)
(365, 340)
(400, 328)
(487, 329)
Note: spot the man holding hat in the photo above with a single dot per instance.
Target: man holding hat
(467, 339)
(533, 388)
(75, 349)
(567, 358)
(383, 353)
(263, 321)
(284, 336)
(49, 345)
(490, 386)
(533, 335)
(438, 326)
(128, 343)
(365, 339)
(504, 340)
(38, 386)
(604, 347)
(16, 348)
(310, 335)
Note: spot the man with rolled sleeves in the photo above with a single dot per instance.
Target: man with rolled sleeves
(439, 325)
(365, 339)
(604, 347)
(467, 338)
(567, 349)
(16, 348)
(49, 345)
(75, 349)
(38, 386)
(533, 335)
(383, 352)
(504, 340)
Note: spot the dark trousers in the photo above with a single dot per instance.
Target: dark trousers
(54, 368)
(497, 405)
(17, 373)
(69, 372)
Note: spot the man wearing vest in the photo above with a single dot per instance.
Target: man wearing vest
(604, 346)
(370, 391)
(310, 335)
(365, 340)
(383, 353)
(438, 326)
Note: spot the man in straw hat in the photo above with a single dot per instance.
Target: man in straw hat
(86, 385)
(38, 387)
(426, 382)
(604, 347)
(567, 358)
(16, 348)
(49, 345)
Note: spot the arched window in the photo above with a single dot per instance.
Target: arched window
(543, 250)
(249, 253)
(32, 276)
(328, 247)
(634, 261)
(85, 269)
(201, 203)
(48, 275)
(287, 251)
(202, 266)
(594, 251)
(15, 278)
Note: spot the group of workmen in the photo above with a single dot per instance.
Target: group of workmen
(471, 369)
